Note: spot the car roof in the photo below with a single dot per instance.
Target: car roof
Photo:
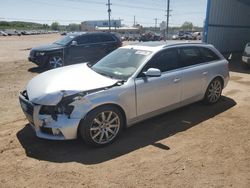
(156, 46)
(84, 33)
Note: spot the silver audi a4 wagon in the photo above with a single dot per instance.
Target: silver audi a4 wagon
(131, 84)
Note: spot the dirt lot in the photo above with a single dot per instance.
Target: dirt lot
(195, 146)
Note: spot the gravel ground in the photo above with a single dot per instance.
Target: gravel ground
(195, 146)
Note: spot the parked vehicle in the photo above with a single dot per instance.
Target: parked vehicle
(63, 33)
(129, 85)
(246, 56)
(13, 33)
(197, 35)
(2, 33)
(150, 37)
(185, 36)
(175, 37)
(75, 48)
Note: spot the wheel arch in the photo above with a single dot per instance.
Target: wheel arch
(215, 77)
(103, 105)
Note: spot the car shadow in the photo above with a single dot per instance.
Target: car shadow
(235, 64)
(146, 133)
(37, 69)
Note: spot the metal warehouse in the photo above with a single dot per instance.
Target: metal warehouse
(227, 24)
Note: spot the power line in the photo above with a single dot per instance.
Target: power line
(119, 5)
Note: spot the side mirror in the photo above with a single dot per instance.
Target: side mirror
(153, 72)
(73, 43)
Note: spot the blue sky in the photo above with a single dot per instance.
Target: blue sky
(75, 11)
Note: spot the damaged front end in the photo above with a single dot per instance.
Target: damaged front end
(51, 115)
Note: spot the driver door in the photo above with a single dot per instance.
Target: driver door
(79, 53)
(159, 93)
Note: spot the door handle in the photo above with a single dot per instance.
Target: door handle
(205, 73)
(176, 80)
(86, 46)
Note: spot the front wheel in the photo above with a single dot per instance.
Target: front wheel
(101, 126)
(213, 92)
(55, 61)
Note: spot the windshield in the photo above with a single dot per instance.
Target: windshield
(121, 63)
(65, 40)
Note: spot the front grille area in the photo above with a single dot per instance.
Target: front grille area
(27, 107)
(46, 130)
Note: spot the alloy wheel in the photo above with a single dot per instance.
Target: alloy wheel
(214, 91)
(105, 126)
(55, 62)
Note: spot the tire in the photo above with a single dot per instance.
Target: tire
(102, 126)
(55, 61)
(244, 65)
(213, 92)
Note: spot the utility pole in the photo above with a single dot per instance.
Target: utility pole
(155, 23)
(167, 21)
(109, 11)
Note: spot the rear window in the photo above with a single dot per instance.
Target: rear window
(165, 61)
(107, 38)
(82, 40)
(208, 55)
(97, 38)
(190, 56)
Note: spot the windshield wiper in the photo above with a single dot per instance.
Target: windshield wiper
(104, 74)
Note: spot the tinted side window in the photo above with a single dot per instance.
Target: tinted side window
(208, 55)
(190, 56)
(107, 38)
(97, 38)
(82, 40)
(94, 38)
(165, 61)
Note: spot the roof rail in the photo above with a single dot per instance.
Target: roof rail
(184, 43)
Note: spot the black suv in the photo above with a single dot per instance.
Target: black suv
(75, 48)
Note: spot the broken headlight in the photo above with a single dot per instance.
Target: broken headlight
(58, 109)
(63, 107)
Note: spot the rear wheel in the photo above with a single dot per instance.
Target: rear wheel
(101, 126)
(244, 65)
(55, 61)
(213, 92)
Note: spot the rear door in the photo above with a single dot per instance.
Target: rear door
(109, 42)
(100, 44)
(156, 93)
(79, 52)
(194, 76)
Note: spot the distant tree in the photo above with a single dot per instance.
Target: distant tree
(73, 27)
(187, 26)
(55, 26)
(45, 26)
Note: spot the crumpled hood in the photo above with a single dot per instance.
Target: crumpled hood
(48, 47)
(49, 87)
